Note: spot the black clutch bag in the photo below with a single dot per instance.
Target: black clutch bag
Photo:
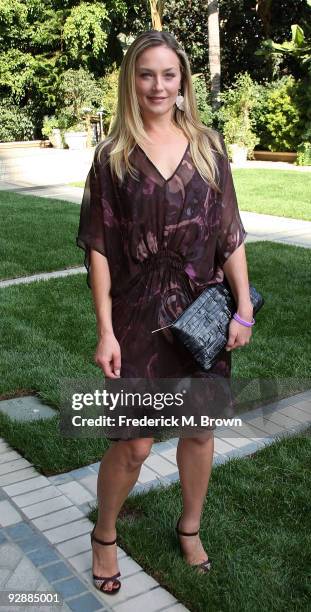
(203, 326)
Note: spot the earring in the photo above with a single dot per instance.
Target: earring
(180, 102)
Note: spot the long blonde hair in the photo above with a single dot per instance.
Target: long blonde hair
(128, 129)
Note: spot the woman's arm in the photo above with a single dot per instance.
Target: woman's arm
(101, 285)
(108, 353)
(235, 270)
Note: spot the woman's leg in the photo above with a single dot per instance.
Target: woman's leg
(194, 460)
(119, 470)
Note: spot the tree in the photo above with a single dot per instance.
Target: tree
(157, 8)
(298, 48)
(214, 51)
(77, 90)
(41, 39)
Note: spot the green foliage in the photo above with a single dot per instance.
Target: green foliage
(15, 124)
(109, 86)
(298, 48)
(13, 18)
(235, 113)
(42, 39)
(80, 126)
(77, 89)
(304, 154)
(243, 26)
(86, 30)
(17, 70)
(49, 124)
(202, 98)
(277, 116)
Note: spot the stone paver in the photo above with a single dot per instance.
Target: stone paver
(26, 486)
(76, 492)
(18, 476)
(28, 408)
(90, 482)
(147, 475)
(10, 455)
(35, 496)
(75, 545)
(46, 507)
(160, 465)
(132, 586)
(152, 601)
(19, 573)
(65, 532)
(8, 514)
(43, 570)
(13, 466)
(54, 519)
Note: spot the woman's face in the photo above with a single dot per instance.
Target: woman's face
(158, 79)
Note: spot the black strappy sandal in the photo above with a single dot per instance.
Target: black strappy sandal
(205, 565)
(101, 581)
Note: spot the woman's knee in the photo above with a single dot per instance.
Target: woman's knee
(138, 450)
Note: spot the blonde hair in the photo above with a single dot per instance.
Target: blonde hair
(128, 129)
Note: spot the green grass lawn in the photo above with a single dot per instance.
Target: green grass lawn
(77, 184)
(49, 333)
(284, 193)
(37, 235)
(255, 528)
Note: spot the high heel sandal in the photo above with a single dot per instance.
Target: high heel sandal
(205, 565)
(101, 581)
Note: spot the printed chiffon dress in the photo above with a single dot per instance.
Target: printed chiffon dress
(165, 241)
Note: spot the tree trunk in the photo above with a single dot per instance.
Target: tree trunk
(156, 7)
(214, 51)
(263, 8)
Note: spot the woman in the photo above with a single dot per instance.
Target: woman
(159, 222)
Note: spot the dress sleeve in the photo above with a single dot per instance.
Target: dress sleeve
(99, 226)
(231, 230)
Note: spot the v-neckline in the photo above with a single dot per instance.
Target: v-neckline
(158, 171)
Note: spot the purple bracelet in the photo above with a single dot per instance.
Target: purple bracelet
(246, 323)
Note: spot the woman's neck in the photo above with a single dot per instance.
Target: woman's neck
(160, 126)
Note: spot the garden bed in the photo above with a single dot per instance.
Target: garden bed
(277, 156)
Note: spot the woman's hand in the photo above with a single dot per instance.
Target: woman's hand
(239, 335)
(108, 355)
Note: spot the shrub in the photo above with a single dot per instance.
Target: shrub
(78, 89)
(15, 124)
(277, 116)
(235, 113)
(49, 124)
(304, 154)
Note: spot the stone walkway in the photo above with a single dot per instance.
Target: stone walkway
(44, 534)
